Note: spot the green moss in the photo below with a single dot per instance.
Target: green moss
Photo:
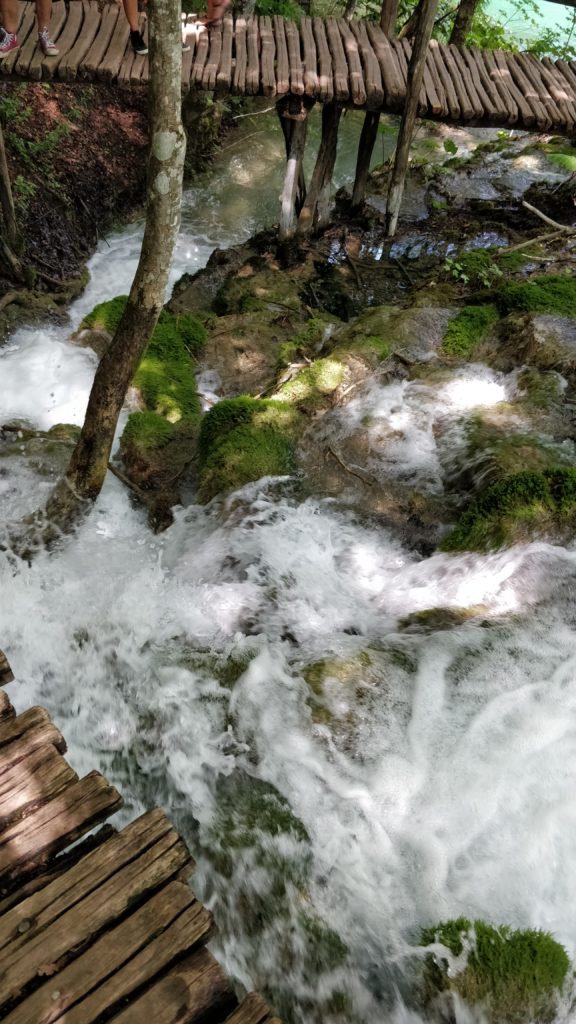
(551, 293)
(432, 620)
(467, 329)
(325, 949)
(517, 508)
(106, 315)
(243, 439)
(543, 388)
(313, 383)
(494, 451)
(145, 431)
(517, 973)
(484, 267)
(305, 343)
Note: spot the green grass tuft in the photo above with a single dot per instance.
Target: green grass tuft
(467, 329)
(551, 293)
(145, 431)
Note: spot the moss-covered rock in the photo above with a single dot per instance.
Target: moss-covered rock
(517, 509)
(517, 975)
(549, 293)
(384, 330)
(243, 439)
(435, 620)
(467, 329)
(313, 385)
(496, 449)
(259, 284)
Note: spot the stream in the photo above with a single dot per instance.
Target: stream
(327, 833)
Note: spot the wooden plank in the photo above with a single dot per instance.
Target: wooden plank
(6, 709)
(213, 58)
(68, 67)
(224, 75)
(325, 75)
(267, 55)
(403, 48)
(65, 39)
(435, 98)
(339, 62)
(201, 55)
(35, 728)
(447, 84)
(41, 909)
(533, 75)
(556, 87)
(54, 825)
(355, 73)
(190, 37)
(253, 59)
(24, 958)
(112, 60)
(487, 93)
(6, 674)
(252, 1010)
(500, 79)
(394, 88)
(30, 49)
(26, 27)
(125, 70)
(294, 58)
(194, 992)
(568, 76)
(99, 47)
(372, 75)
(34, 780)
(282, 64)
(308, 45)
(470, 106)
(241, 56)
(132, 954)
(541, 117)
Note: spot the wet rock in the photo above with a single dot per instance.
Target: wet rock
(544, 341)
(195, 292)
(415, 333)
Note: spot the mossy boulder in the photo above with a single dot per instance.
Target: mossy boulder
(516, 975)
(380, 332)
(243, 439)
(312, 387)
(259, 285)
(549, 293)
(467, 329)
(517, 509)
(543, 341)
(499, 448)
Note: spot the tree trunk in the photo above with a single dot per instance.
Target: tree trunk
(368, 138)
(13, 237)
(388, 16)
(314, 213)
(415, 76)
(88, 465)
(349, 9)
(463, 21)
(409, 27)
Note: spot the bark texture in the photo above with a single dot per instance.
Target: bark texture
(463, 21)
(388, 15)
(315, 211)
(89, 462)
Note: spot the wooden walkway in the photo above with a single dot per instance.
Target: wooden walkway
(328, 60)
(108, 930)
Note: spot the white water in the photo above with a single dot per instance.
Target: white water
(442, 785)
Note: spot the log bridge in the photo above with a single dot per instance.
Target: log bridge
(105, 930)
(331, 61)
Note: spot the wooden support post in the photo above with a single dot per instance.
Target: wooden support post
(315, 211)
(294, 127)
(12, 234)
(415, 76)
(388, 16)
(368, 137)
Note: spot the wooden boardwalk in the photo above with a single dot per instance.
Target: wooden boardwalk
(328, 60)
(108, 930)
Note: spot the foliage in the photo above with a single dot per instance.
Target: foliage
(243, 439)
(517, 506)
(519, 973)
(285, 8)
(468, 328)
(482, 268)
(551, 293)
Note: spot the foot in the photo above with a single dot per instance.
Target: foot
(8, 43)
(185, 47)
(46, 44)
(138, 44)
(216, 12)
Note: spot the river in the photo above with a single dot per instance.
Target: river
(444, 788)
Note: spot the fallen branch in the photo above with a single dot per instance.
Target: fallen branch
(13, 296)
(352, 472)
(552, 236)
(546, 219)
(127, 482)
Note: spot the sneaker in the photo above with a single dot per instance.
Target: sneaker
(138, 44)
(185, 47)
(8, 43)
(46, 44)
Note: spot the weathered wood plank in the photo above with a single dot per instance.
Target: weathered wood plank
(447, 85)
(26, 30)
(213, 58)
(253, 59)
(523, 86)
(112, 59)
(325, 75)
(282, 63)
(252, 1010)
(556, 93)
(171, 923)
(308, 45)
(394, 88)
(241, 56)
(70, 932)
(267, 55)
(470, 105)
(6, 674)
(201, 55)
(194, 991)
(501, 79)
(189, 38)
(339, 62)
(538, 88)
(403, 48)
(560, 90)
(55, 825)
(224, 74)
(33, 728)
(57, 22)
(372, 75)
(99, 47)
(352, 54)
(294, 58)
(6, 709)
(34, 780)
(65, 40)
(485, 89)
(68, 67)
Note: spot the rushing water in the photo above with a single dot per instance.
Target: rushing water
(439, 785)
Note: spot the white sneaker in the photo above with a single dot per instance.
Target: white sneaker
(46, 44)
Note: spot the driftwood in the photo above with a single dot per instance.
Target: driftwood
(6, 675)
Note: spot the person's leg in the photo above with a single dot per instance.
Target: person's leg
(43, 15)
(131, 12)
(9, 14)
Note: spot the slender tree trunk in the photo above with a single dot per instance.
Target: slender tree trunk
(415, 76)
(88, 465)
(314, 213)
(349, 9)
(388, 16)
(409, 27)
(368, 137)
(463, 21)
(13, 237)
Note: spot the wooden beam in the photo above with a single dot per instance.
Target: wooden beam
(315, 211)
(294, 127)
(415, 77)
(368, 138)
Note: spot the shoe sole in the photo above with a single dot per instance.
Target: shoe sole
(8, 52)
